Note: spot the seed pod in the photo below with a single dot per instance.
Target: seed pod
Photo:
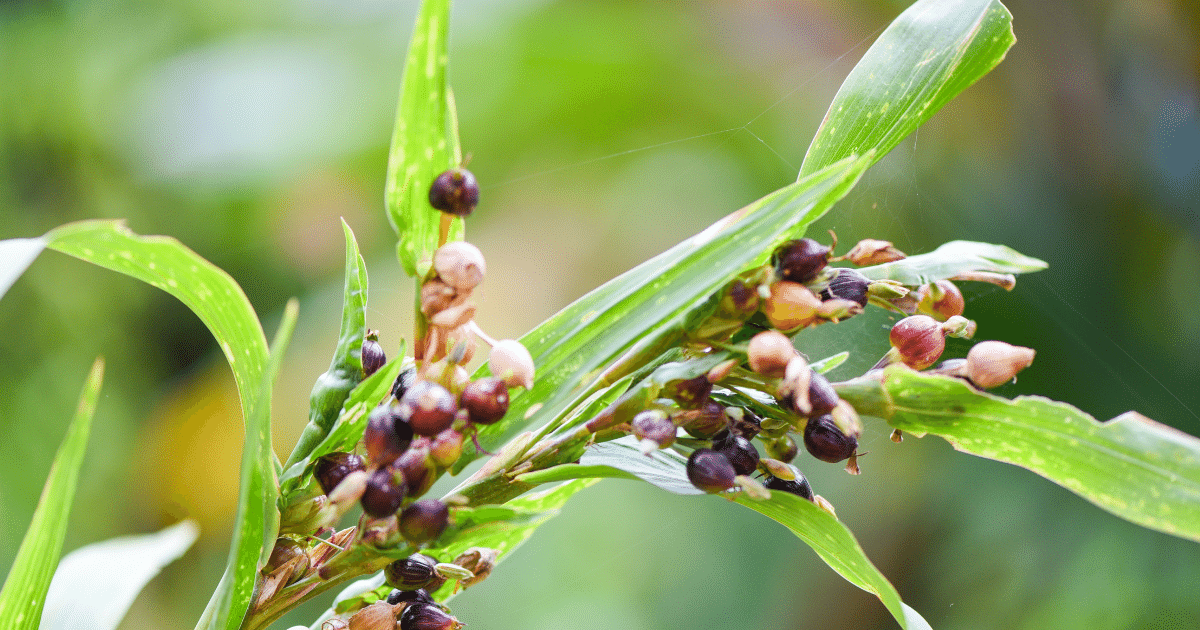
(872, 252)
(436, 296)
(800, 260)
(387, 435)
(428, 407)
(486, 400)
(821, 394)
(653, 425)
(994, 363)
(333, 468)
(710, 471)
(373, 356)
(512, 363)
(411, 573)
(740, 453)
(769, 352)
(918, 340)
(791, 306)
(848, 284)
(941, 299)
(455, 191)
(782, 448)
(424, 520)
(688, 393)
(799, 486)
(284, 550)
(423, 616)
(418, 467)
(398, 596)
(704, 422)
(384, 493)
(460, 265)
(446, 448)
(377, 616)
(825, 441)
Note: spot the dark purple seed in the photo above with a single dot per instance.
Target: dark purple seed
(799, 487)
(373, 356)
(384, 493)
(740, 453)
(690, 393)
(706, 422)
(486, 400)
(333, 468)
(800, 260)
(821, 395)
(404, 380)
(428, 407)
(411, 573)
(423, 616)
(420, 595)
(387, 435)
(825, 441)
(424, 521)
(654, 425)
(455, 191)
(418, 467)
(710, 471)
(848, 284)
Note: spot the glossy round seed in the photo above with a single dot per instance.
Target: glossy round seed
(455, 191)
(994, 363)
(423, 616)
(331, 469)
(372, 354)
(512, 363)
(418, 467)
(384, 493)
(791, 306)
(486, 400)
(941, 299)
(740, 453)
(799, 487)
(428, 407)
(826, 442)
(769, 353)
(387, 435)
(411, 573)
(919, 340)
(424, 521)
(821, 394)
(710, 471)
(420, 595)
(800, 260)
(460, 265)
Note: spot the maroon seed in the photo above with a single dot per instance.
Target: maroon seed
(486, 400)
(424, 521)
(411, 573)
(387, 435)
(455, 191)
(333, 468)
(384, 493)
(428, 407)
(710, 471)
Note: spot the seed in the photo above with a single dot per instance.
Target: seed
(284, 550)
(792, 392)
(791, 306)
(744, 423)
(739, 300)
(455, 191)
(418, 467)
(512, 363)
(769, 352)
(941, 299)
(710, 471)
(799, 487)
(420, 595)
(446, 448)
(423, 616)
(387, 435)
(372, 354)
(377, 616)
(460, 265)
(848, 284)
(428, 407)
(873, 252)
(821, 394)
(918, 340)
(411, 573)
(800, 260)
(782, 448)
(486, 400)
(424, 521)
(333, 468)
(689, 393)
(654, 425)
(994, 363)
(825, 441)
(740, 453)
(404, 380)
(384, 493)
(704, 422)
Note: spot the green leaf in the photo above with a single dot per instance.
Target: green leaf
(952, 259)
(165, 263)
(345, 371)
(1138, 469)
(24, 591)
(16, 254)
(424, 142)
(661, 468)
(637, 316)
(834, 543)
(257, 523)
(930, 53)
(95, 585)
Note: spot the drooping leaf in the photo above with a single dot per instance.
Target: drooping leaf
(95, 585)
(345, 371)
(24, 592)
(660, 468)
(257, 522)
(1138, 469)
(951, 259)
(637, 316)
(204, 288)
(16, 254)
(424, 142)
(930, 53)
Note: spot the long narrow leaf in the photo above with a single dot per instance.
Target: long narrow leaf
(930, 53)
(258, 515)
(1138, 469)
(424, 142)
(24, 592)
(95, 585)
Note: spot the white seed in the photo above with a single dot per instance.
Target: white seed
(511, 363)
(460, 265)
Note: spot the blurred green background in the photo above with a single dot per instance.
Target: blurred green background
(603, 133)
